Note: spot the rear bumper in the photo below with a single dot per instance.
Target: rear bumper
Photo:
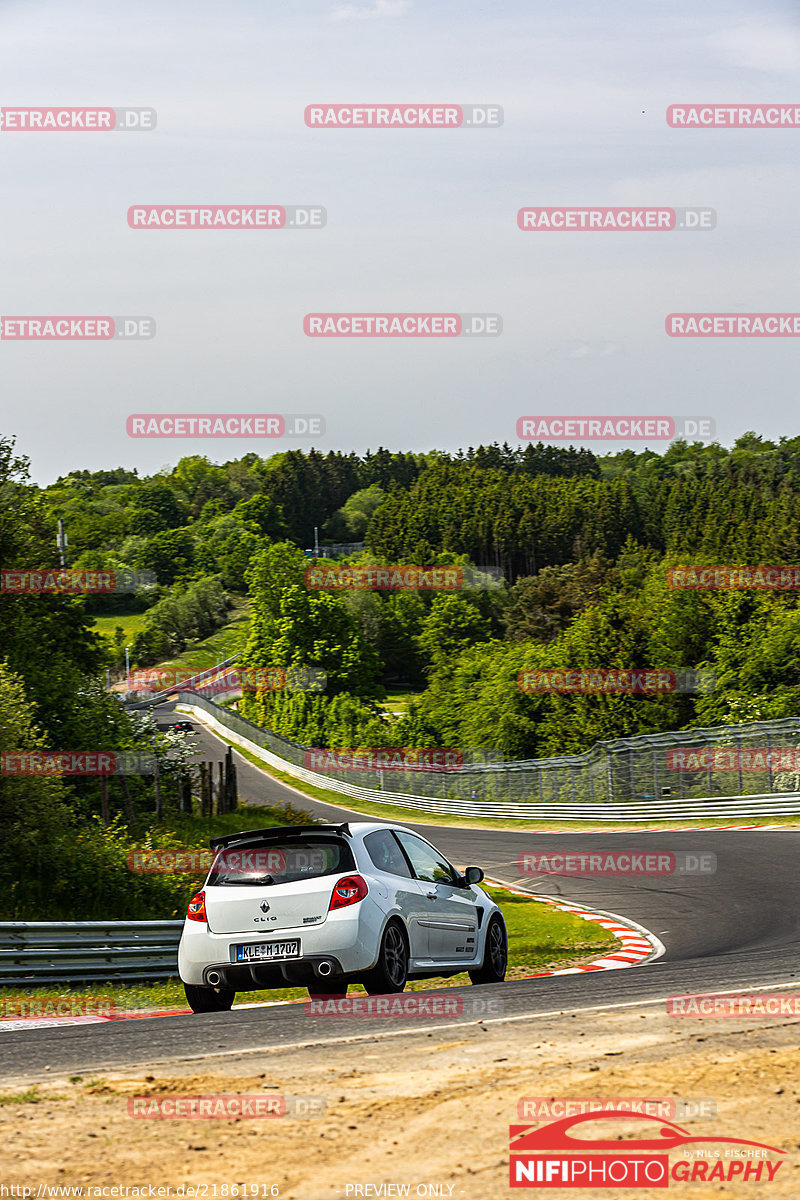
(346, 942)
(298, 972)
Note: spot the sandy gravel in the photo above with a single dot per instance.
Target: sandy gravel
(429, 1110)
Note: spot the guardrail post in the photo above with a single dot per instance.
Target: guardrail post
(220, 791)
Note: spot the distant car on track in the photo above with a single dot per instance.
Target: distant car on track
(183, 727)
(322, 906)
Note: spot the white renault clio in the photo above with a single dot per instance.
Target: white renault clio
(322, 906)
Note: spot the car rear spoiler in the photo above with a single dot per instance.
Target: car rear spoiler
(274, 832)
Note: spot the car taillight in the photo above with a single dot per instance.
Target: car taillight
(197, 907)
(349, 890)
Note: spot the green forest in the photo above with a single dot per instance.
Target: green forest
(565, 557)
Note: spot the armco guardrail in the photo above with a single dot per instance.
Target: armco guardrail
(485, 790)
(87, 951)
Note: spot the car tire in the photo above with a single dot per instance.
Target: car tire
(390, 973)
(495, 954)
(208, 999)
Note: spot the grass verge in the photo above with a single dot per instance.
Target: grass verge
(129, 623)
(228, 640)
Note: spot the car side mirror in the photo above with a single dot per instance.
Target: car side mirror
(473, 875)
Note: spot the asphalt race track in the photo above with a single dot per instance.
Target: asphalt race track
(736, 929)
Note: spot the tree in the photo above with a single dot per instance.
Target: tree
(156, 496)
(32, 809)
(453, 624)
(262, 515)
(293, 626)
(349, 523)
(169, 555)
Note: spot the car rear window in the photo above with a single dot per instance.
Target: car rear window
(284, 861)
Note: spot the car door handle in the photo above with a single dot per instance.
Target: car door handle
(432, 895)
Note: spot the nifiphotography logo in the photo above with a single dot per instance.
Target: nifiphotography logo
(554, 1157)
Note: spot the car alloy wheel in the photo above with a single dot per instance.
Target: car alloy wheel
(495, 954)
(391, 970)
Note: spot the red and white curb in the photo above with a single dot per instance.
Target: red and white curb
(639, 945)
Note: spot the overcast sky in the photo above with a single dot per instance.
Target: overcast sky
(418, 220)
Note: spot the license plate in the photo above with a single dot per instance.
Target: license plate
(259, 951)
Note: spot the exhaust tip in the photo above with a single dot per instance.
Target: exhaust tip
(214, 978)
(325, 968)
